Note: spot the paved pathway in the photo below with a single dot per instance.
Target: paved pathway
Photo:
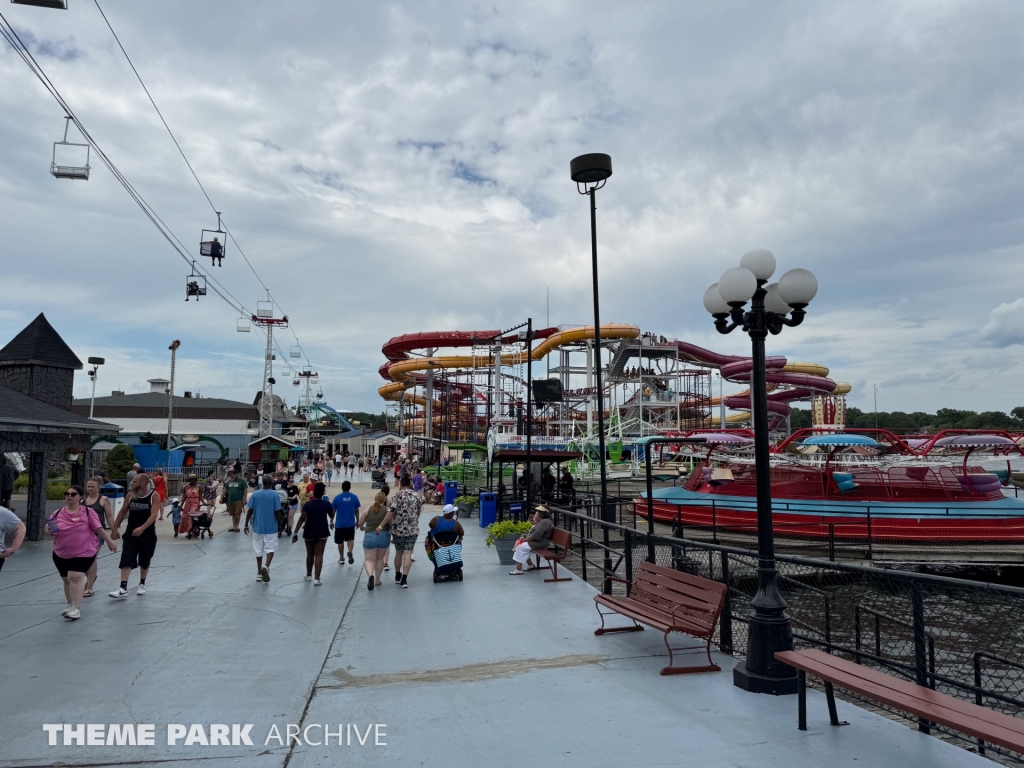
(496, 670)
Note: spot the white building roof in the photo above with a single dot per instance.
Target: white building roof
(185, 426)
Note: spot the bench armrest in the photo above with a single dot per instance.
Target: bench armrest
(616, 578)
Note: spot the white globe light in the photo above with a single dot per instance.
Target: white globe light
(760, 262)
(773, 302)
(737, 285)
(713, 301)
(798, 286)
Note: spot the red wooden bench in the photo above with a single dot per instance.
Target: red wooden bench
(903, 695)
(669, 601)
(560, 541)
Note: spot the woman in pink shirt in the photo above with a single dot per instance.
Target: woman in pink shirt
(74, 528)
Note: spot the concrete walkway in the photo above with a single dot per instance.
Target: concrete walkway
(495, 670)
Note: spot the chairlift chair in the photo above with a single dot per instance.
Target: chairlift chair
(295, 382)
(60, 5)
(213, 243)
(244, 324)
(195, 284)
(295, 352)
(69, 151)
(264, 309)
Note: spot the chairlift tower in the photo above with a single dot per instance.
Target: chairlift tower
(306, 406)
(264, 318)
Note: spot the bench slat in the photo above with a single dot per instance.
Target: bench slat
(964, 716)
(680, 576)
(849, 668)
(660, 597)
(677, 580)
(657, 619)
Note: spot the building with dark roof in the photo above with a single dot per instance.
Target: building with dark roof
(37, 376)
(39, 364)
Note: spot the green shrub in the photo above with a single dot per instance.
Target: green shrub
(21, 482)
(56, 491)
(504, 528)
(120, 461)
(469, 501)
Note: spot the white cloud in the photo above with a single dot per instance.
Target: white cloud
(391, 168)
(1005, 324)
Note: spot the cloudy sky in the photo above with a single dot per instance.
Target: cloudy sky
(390, 168)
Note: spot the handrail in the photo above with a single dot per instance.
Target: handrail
(891, 573)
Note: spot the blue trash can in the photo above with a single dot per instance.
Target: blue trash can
(488, 508)
(451, 491)
(115, 493)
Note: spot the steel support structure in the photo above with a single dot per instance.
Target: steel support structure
(267, 400)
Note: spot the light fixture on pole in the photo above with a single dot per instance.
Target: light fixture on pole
(772, 306)
(591, 172)
(95, 362)
(170, 398)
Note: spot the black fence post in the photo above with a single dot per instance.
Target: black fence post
(920, 646)
(832, 542)
(627, 544)
(977, 694)
(856, 635)
(725, 620)
(828, 625)
(871, 549)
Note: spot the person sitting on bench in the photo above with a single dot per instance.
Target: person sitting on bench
(539, 537)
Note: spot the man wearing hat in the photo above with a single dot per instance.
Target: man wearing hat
(136, 468)
(539, 537)
(447, 522)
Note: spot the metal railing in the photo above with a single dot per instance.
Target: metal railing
(960, 637)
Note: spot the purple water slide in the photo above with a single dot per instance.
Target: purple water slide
(738, 369)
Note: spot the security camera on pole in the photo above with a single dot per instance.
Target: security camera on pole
(772, 307)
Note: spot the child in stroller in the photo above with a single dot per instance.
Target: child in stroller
(444, 545)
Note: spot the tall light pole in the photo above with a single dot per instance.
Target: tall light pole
(170, 400)
(772, 307)
(95, 362)
(591, 172)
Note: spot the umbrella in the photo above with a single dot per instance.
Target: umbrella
(841, 440)
(973, 441)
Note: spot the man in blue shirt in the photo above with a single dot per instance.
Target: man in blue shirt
(346, 512)
(263, 506)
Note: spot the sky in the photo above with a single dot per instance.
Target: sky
(391, 168)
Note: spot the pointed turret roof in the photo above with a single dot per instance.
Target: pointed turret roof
(39, 344)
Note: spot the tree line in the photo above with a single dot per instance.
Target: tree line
(918, 421)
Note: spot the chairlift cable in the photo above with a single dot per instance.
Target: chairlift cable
(11, 36)
(185, 158)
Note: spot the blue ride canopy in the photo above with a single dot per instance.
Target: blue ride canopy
(841, 440)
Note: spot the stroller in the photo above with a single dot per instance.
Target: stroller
(200, 527)
(377, 476)
(445, 550)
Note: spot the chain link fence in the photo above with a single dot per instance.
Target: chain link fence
(960, 637)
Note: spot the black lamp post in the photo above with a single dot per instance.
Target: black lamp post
(771, 307)
(591, 172)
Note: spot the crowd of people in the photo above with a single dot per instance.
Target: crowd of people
(290, 499)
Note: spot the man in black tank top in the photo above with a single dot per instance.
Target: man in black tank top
(141, 507)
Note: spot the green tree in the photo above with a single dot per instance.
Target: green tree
(120, 461)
